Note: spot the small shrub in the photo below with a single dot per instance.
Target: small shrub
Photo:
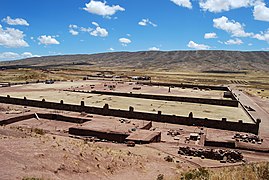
(39, 131)
(160, 177)
(200, 173)
(168, 159)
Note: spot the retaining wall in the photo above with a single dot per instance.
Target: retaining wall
(218, 124)
(55, 117)
(16, 119)
(244, 108)
(220, 144)
(219, 88)
(233, 95)
(8, 84)
(110, 136)
(220, 102)
(58, 117)
(147, 126)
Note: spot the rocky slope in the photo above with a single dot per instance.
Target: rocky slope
(195, 60)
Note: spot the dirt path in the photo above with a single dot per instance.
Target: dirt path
(259, 112)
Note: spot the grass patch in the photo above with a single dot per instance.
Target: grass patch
(255, 171)
(38, 131)
(200, 173)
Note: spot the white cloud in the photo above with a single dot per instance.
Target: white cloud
(142, 22)
(265, 49)
(12, 38)
(102, 9)
(13, 56)
(73, 32)
(8, 55)
(263, 36)
(98, 31)
(194, 45)
(95, 23)
(28, 55)
(73, 29)
(83, 29)
(184, 3)
(17, 21)
(124, 41)
(224, 5)
(154, 49)
(47, 40)
(234, 42)
(111, 49)
(233, 27)
(261, 12)
(73, 26)
(145, 22)
(210, 35)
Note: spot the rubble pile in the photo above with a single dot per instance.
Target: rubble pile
(168, 158)
(173, 133)
(248, 138)
(223, 155)
(125, 121)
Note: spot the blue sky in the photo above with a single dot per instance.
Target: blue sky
(53, 27)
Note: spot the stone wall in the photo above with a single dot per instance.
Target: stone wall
(219, 88)
(220, 144)
(159, 117)
(16, 119)
(55, 117)
(110, 136)
(220, 102)
(58, 117)
(147, 126)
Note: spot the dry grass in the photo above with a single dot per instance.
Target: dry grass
(30, 75)
(38, 131)
(255, 171)
(256, 80)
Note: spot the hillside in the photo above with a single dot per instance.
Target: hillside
(195, 60)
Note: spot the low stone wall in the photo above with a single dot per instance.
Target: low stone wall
(220, 144)
(16, 119)
(55, 117)
(220, 102)
(58, 117)
(8, 84)
(147, 126)
(233, 95)
(159, 117)
(249, 114)
(219, 88)
(110, 136)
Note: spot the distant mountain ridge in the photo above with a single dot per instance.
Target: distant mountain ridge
(214, 60)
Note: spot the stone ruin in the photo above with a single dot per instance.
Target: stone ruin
(173, 132)
(223, 155)
(248, 138)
